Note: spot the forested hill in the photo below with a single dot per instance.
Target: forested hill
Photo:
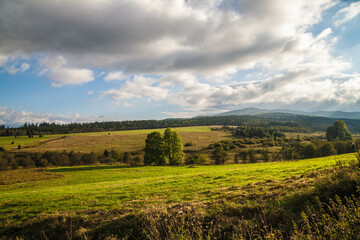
(280, 121)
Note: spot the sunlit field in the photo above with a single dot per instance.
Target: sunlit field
(30, 193)
(132, 140)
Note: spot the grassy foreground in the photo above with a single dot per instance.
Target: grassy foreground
(29, 194)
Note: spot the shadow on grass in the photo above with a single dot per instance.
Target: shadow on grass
(88, 168)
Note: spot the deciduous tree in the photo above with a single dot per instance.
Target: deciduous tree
(154, 149)
(173, 147)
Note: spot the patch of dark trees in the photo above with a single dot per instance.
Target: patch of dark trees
(283, 123)
(10, 160)
(291, 149)
(260, 132)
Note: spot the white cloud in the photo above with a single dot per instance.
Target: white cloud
(10, 117)
(60, 74)
(13, 65)
(195, 46)
(183, 79)
(126, 104)
(114, 76)
(24, 67)
(137, 88)
(289, 89)
(3, 59)
(346, 14)
(90, 93)
(181, 114)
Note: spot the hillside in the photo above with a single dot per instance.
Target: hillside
(258, 111)
(96, 202)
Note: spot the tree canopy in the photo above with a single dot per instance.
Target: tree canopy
(162, 150)
(173, 147)
(338, 131)
(154, 149)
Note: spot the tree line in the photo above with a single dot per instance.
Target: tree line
(260, 132)
(14, 160)
(282, 122)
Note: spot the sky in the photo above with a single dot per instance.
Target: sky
(111, 60)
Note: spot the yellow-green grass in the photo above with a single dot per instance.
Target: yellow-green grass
(6, 142)
(132, 189)
(123, 141)
(146, 131)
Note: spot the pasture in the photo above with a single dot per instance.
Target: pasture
(131, 140)
(87, 190)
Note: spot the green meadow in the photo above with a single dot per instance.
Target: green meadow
(133, 189)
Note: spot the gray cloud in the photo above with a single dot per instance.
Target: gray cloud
(153, 36)
(183, 43)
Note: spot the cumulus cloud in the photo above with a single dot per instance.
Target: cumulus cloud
(10, 117)
(3, 59)
(60, 74)
(289, 88)
(346, 14)
(114, 76)
(157, 36)
(181, 114)
(137, 88)
(195, 47)
(183, 79)
(13, 65)
(126, 104)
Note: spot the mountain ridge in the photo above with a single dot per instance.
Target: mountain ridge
(259, 111)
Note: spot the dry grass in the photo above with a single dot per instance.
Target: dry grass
(125, 142)
(26, 175)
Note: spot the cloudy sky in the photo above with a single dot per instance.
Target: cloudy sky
(97, 60)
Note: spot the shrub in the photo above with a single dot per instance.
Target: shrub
(43, 163)
(13, 164)
(189, 144)
(198, 159)
(26, 162)
(337, 220)
(126, 157)
(136, 161)
(219, 155)
(3, 164)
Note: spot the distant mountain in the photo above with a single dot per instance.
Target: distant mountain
(337, 114)
(245, 111)
(258, 111)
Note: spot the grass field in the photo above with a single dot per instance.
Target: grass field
(6, 142)
(133, 189)
(122, 141)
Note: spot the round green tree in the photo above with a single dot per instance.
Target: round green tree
(338, 131)
(154, 149)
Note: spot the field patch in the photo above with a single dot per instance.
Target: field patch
(124, 141)
(25, 175)
(133, 189)
(12, 142)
